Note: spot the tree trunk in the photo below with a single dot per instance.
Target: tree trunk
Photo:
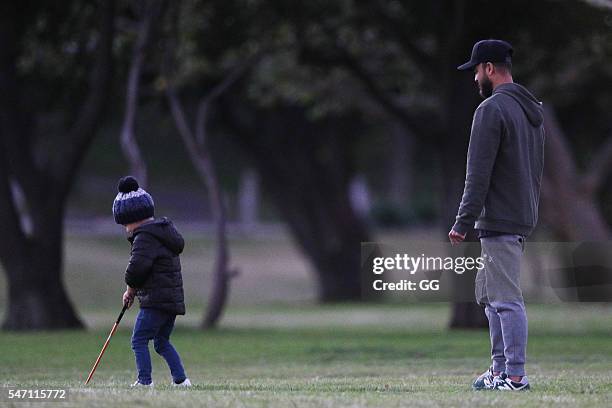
(150, 12)
(307, 176)
(461, 97)
(37, 298)
(32, 255)
(33, 265)
(570, 209)
(467, 314)
(569, 203)
(329, 233)
(195, 141)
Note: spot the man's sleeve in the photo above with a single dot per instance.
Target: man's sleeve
(485, 139)
(141, 260)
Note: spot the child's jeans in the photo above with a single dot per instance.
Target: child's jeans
(157, 325)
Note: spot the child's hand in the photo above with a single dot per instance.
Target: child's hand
(128, 298)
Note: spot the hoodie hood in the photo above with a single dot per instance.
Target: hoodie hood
(530, 105)
(163, 229)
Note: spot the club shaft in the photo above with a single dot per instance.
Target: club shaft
(106, 343)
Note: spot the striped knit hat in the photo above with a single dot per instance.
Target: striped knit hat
(132, 203)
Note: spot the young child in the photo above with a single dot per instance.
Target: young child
(154, 275)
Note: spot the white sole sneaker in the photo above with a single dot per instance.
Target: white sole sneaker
(185, 383)
(504, 383)
(485, 381)
(138, 384)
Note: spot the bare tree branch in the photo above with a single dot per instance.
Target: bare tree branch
(182, 125)
(201, 160)
(152, 10)
(222, 273)
(195, 142)
(234, 76)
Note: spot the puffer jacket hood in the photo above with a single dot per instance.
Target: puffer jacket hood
(530, 105)
(163, 229)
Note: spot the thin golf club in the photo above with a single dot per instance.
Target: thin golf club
(93, 370)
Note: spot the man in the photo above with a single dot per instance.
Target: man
(500, 199)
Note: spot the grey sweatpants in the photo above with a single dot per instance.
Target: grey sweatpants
(498, 289)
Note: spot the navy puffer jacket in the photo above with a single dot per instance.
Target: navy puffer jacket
(155, 267)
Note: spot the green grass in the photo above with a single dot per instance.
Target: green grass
(398, 356)
(276, 347)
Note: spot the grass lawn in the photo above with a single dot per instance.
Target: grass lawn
(311, 356)
(275, 347)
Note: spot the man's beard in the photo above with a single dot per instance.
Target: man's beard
(485, 87)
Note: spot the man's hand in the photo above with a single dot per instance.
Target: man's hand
(128, 297)
(455, 237)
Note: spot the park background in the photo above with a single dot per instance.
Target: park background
(279, 135)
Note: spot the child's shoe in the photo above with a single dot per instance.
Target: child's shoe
(139, 384)
(185, 383)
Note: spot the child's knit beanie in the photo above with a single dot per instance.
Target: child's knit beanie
(132, 203)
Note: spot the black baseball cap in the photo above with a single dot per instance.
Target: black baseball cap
(488, 51)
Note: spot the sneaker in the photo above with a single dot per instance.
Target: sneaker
(185, 383)
(484, 381)
(139, 384)
(503, 382)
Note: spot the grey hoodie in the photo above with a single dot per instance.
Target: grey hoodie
(505, 162)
